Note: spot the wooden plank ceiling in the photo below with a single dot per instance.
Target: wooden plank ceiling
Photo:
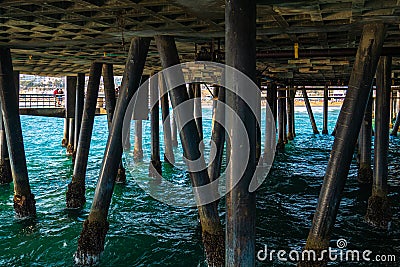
(53, 37)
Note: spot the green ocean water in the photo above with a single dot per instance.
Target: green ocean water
(146, 232)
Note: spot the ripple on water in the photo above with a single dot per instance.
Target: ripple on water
(145, 232)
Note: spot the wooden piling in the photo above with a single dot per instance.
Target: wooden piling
(396, 125)
(211, 227)
(79, 102)
(364, 170)
(109, 94)
(348, 128)
(281, 118)
(240, 47)
(197, 109)
(75, 197)
(155, 130)
(378, 211)
(325, 112)
(24, 200)
(166, 119)
(95, 227)
(71, 136)
(138, 145)
(174, 130)
(5, 167)
(70, 112)
(217, 135)
(290, 113)
(272, 100)
(309, 111)
(64, 141)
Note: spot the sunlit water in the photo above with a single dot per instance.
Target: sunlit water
(146, 232)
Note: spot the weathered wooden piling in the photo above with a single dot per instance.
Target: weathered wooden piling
(64, 141)
(348, 128)
(109, 94)
(70, 112)
(378, 211)
(240, 45)
(365, 137)
(5, 167)
(75, 197)
(309, 111)
(281, 118)
(197, 109)
(95, 227)
(174, 130)
(24, 200)
(272, 100)
(166, 119)
(155, 129)
(212, 233)
(290, 113)
(138, 145)
(217, 135)
(396, 125)
(325, 110)
(79, 102)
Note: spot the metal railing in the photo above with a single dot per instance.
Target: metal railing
(49, 101)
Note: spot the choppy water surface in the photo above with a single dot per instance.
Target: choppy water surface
(145, 232)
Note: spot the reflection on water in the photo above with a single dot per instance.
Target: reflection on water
(145, 232)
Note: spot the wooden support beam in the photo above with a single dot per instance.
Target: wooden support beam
(75, 197)
(326, 107)
(348, 128)
(109, 93)
(364, 142)
(5, 167)
(378, 211)
(240, 53)
(211, 227)
(281, 119)
(155, 130)
(24, 200)
(95, 227)
(168, 147)
(309, 111)
(79, 102)
(70, 112)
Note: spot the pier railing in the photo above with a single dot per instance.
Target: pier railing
(49, 101)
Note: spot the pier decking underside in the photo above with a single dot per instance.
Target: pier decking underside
(63, 37)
